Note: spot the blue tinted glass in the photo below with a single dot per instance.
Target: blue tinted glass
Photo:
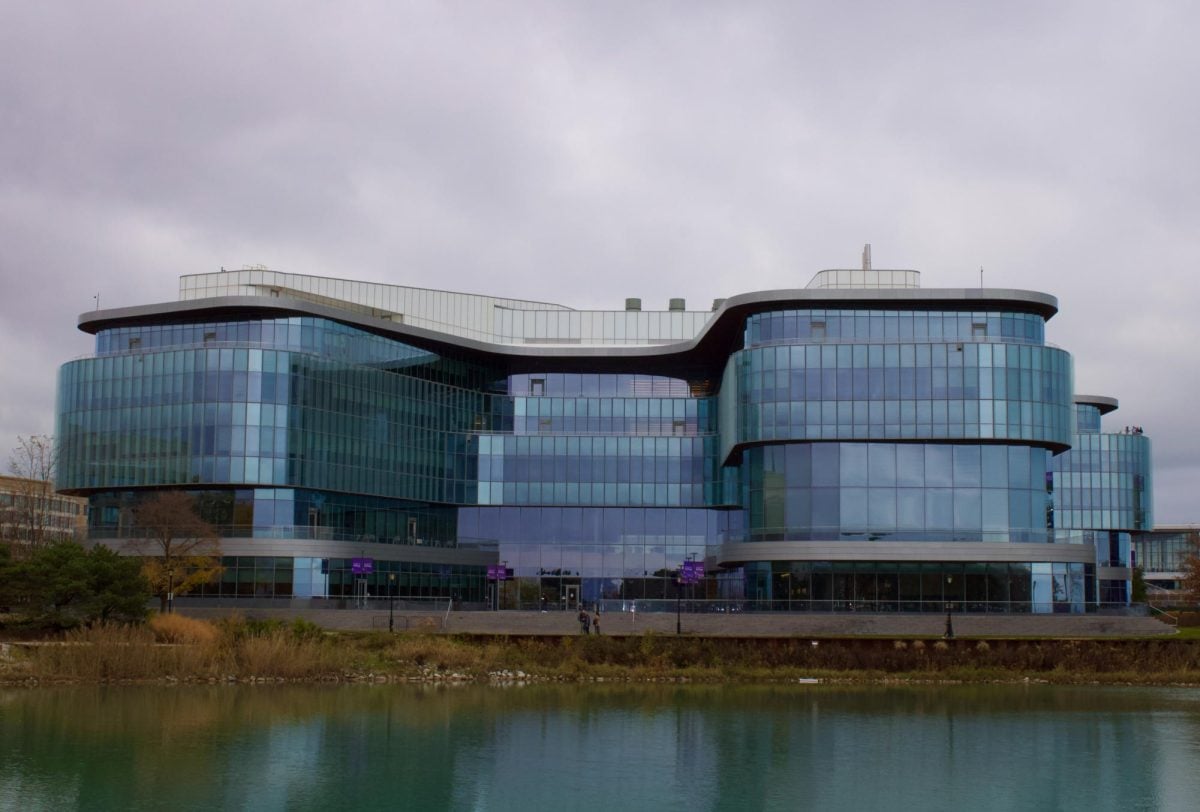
(967, 508)
(882, 459)
(966, 465)
(825, 464)
(910, 464)
(939, 508)
(854, 464)
(854, 508)
(882, 508)
(939, 466)
(910, 508)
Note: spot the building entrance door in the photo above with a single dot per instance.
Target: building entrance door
(572, 593)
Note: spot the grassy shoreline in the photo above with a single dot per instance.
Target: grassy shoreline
(239, 651)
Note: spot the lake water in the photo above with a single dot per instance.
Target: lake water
(1033, 747)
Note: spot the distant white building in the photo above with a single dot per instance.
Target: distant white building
(31, 510)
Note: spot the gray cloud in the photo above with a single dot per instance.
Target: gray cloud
(584, 152)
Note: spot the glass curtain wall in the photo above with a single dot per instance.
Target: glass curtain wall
(888, 586)
(898, 492)
(828, 424)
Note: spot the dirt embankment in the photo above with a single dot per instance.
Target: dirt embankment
(244, 652)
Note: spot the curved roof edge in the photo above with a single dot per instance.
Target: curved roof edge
(279, 273)
(737, 449)
(714, 341)
(1043, 304)
(1102, 402)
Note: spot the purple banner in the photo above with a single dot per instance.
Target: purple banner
(362, 566)
(498, 572)
(692, 572)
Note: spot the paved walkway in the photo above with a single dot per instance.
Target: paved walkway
(721, 625)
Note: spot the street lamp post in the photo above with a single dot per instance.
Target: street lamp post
(678, 603)
(949, 605)
(391, 602)
(170, 590)
(689, 573)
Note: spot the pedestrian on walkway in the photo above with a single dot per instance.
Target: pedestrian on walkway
(596, 622)
(584, 621)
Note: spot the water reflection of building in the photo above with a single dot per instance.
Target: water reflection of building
(861, 443)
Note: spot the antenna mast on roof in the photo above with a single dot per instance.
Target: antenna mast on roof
(867, 257)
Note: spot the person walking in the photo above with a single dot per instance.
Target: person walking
(596, 622)
(584, 620)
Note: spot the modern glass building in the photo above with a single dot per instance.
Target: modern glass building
(1161, 553)
(1103, 487)
(859, 444)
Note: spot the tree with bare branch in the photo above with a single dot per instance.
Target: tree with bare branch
(181, 550)
(1190, 583)
(28, 518)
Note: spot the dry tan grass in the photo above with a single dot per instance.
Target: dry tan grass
(198, 651)
(247, 649)
(281, 654)
(181, 629)
(438, 653)
(115, 652)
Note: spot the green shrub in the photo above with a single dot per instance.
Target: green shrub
(264, 627)
(302, 629)
(62, 586)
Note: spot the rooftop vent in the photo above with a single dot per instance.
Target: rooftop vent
(633, 303)
(677, 304)
(717, 304)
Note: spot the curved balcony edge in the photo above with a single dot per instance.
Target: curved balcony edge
(732, 554)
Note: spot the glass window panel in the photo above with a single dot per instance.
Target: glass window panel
(939, 468)
(882, 509)
(854, 464)
(825, 464)
(798, 509)
(910, 508)
(995, 509)
(882, 458)
(910, 464)
(825, 511)
(939, 509)
(995, 466)
(1018, 467)
(854, 508)
(966, 465)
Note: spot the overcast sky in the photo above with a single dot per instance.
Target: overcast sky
(580, 153)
